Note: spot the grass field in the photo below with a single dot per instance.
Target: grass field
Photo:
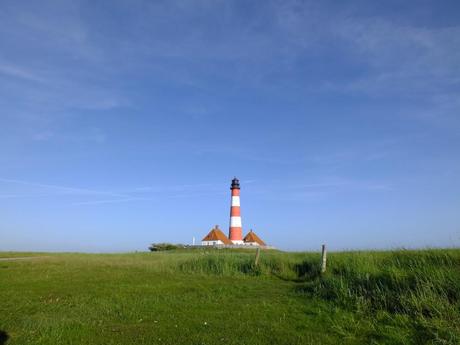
(218, 297)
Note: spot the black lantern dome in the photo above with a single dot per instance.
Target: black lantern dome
(235, 184)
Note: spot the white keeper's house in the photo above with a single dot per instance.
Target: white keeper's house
(217, 238)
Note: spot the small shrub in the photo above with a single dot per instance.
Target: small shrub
(159, 247)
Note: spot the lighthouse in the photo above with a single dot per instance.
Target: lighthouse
(235, 233)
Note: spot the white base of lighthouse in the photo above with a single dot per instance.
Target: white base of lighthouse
(238, 242)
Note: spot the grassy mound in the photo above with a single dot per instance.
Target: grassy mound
(419, 289)
(211, 296)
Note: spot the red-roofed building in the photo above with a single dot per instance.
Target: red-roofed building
(215, 238)
(251, 239)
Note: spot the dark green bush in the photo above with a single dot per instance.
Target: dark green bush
(159, 247)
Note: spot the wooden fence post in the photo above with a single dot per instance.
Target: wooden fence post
(323, 258)
(256, 260)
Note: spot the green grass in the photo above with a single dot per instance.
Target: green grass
(219, 297)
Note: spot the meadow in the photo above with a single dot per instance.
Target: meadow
(210, 296)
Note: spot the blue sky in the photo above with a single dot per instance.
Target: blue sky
(123, 122)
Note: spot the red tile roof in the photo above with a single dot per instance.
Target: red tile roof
(215, 235)
(252, 237)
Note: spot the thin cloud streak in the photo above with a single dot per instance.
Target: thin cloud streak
(111, 201)
(17, 72)
(61, 189)
(188, 190)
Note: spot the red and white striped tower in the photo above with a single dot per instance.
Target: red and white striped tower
(235, 233)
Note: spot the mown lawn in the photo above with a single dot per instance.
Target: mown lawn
(218, 297)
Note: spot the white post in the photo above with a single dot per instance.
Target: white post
(256, 260)
(323, 258)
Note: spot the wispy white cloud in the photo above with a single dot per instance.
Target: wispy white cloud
(91, 66)
(41, 190)
(404, 59)
(342, 183)
(93, 135)
(18, 72)
(43, 135)
(52, 189)
(110, 201)
(324, 188)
